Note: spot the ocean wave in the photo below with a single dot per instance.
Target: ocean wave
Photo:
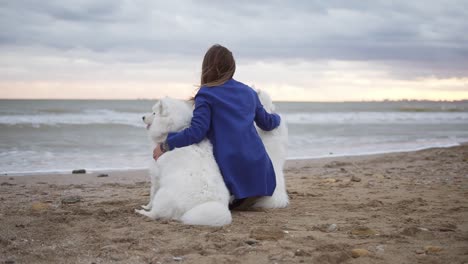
(106, 116)
(99, 116)
(377, 118)
(425, 109)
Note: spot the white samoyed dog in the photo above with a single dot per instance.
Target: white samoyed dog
(276, 144)
(186, 183)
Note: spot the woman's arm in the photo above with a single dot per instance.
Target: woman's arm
(198, 126)
(265, 120)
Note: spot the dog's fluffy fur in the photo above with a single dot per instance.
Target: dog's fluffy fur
(276, 144)
(186, 182)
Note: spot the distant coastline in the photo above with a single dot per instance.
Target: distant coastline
(277, 101)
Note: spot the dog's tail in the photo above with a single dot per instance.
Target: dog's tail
(208, 214)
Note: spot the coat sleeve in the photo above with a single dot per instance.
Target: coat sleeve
(198, 126)
(265, 120)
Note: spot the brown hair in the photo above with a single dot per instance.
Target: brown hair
(218, 66)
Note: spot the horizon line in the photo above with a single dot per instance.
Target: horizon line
(279, 101)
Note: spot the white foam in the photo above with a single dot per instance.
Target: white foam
(377, 118)
(100, 116)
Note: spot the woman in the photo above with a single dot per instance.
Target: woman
(225, 112)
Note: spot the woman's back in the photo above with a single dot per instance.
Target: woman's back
(225, 112)
(237, 147)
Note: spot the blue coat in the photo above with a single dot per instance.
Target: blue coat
(226, 114)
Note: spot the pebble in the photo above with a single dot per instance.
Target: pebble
(177, 258)
(9, 261)
(103, 175)
(355, 179)
(432, 249)
(251, 242)
(80, 171)
(301, 253)
(330, 180)
(363, 231)
(419, 251)
(359, 252)
(39, 206)
(380, 249)
(71, 199)
(332, 228)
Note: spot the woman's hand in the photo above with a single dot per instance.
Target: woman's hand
(157, 152)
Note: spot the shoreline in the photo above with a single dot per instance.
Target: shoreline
(292, 159)
(407, 207)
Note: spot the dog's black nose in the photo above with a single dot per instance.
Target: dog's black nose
(143, 118)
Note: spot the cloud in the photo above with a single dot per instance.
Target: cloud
(344, 30)
(86, 40)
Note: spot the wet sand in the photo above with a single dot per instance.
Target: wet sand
(390, 208)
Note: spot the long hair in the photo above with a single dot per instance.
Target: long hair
(218, 66)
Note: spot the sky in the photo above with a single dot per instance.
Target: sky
(295, 50)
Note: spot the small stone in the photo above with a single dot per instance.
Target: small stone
(301, 253)
(449, 227)
(332, 228)
(380, 249)
(71, 199)
(80, 171)
(432, 249)
(177, 258)
(251, 242)
(103, 175)
(419, 251)
(355, 179)
(363, 231)
(330, 180)
(359, 252)
(9, 261)
(39, 206)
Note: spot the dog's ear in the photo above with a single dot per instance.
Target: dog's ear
(163, 109)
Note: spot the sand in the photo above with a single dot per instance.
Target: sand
(391, 208)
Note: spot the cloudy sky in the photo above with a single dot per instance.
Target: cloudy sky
(296, 50)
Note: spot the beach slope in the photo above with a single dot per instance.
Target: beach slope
(390, 208)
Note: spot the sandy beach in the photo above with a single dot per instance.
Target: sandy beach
(390, 208)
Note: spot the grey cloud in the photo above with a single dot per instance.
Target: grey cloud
(430, 34)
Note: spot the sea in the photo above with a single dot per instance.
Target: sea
(57, 136)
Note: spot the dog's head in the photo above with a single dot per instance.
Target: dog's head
(266, 101)
(169, 115)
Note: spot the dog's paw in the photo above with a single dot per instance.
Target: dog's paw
(142, 212)
(146, 207)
